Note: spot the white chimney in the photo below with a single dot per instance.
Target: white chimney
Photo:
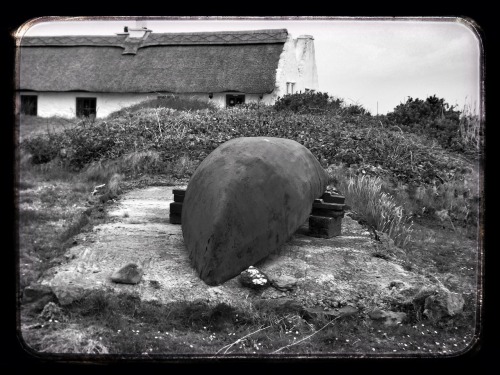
(138, 33)
(306, 61)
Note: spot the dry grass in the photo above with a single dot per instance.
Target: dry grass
(470, 127)
(364, 194)
(132, 163)
(72, 339)
(34, 125)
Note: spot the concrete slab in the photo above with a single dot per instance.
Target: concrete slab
(340, 269)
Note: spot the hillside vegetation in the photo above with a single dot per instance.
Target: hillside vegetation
(413, 174)
(403, 152)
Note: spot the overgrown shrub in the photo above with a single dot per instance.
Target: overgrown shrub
(43, 148)
(170, 135)
(180, 103)
(433, 117)
(318, 103)
(307, 102)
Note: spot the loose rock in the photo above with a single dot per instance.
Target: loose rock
(254, 278)
(128, 274)
(438, 303)
(38, 296)
(388, 318)
(443, 304)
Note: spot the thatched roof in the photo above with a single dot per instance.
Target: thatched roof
(244, 61)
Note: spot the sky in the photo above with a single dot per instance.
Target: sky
(377, 63)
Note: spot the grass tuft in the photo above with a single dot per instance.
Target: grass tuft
(364, 193)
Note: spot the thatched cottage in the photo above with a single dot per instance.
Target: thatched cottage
(95, 75)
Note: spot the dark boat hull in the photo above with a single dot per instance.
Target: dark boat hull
(245, 200)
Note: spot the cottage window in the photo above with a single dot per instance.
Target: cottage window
(29, 105)
(232, 100)
(289, 87)
(86, 107)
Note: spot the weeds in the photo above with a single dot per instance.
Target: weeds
(179, 103)
(158, 137)
(364, 193)
(470, 128)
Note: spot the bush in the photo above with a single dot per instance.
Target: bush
(43, 148)
(433, 117)
(318, 103)
(334, 138)
(174, 102)
(309, 102)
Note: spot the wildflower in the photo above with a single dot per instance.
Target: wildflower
(373, 349)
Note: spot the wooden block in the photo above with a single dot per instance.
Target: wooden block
(333, 198)
(326, 213)
(175, 219)
(179, 192)
(178, 198)
(176, 207)
(327, 206)
(324, 227)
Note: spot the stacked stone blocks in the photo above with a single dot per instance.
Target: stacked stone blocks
(326, 216)
(176, 206)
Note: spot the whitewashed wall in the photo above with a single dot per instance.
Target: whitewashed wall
(63, 104)
(287, 70)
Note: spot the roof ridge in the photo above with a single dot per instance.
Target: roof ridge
(205, 37)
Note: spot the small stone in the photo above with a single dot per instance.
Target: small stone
(437, 303)
(443, 304)
(253, 278)
(388, 318)
(396, 284)
(128, 274)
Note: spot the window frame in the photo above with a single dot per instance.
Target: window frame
(236, 97)
(80, 101)
(24, 98)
